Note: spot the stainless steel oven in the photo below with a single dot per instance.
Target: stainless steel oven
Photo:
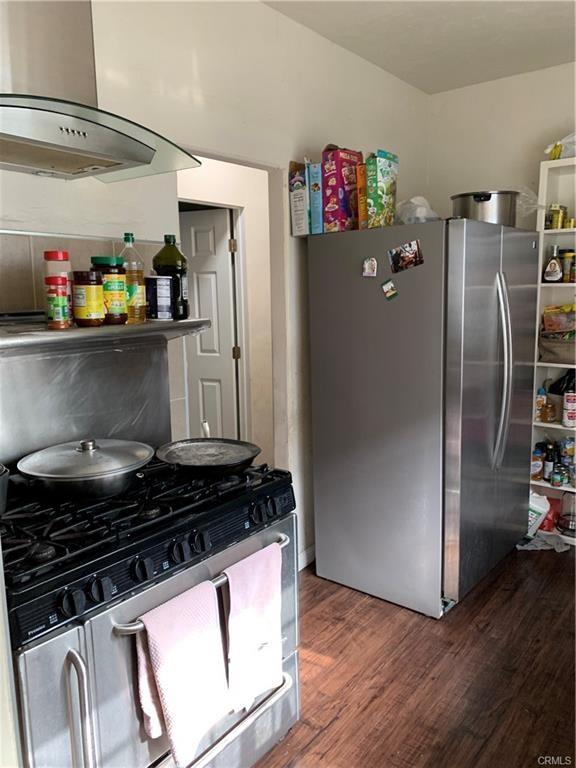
(79, 690)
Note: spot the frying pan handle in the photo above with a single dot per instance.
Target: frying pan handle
(205, 428)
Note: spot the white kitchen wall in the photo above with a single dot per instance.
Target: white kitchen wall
(239, 81)
(88, 207)
(246, 189)
(493, 135)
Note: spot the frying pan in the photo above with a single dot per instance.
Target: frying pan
(209, 456)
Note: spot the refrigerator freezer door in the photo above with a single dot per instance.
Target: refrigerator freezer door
(520, 268)
(490, 347)
(474, 397)
(377, 384)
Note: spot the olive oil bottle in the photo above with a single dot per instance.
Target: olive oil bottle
(171, 262)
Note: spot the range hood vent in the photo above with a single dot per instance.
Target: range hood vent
(50, 123)
(52, 137)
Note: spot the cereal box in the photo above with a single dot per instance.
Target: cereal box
(339, 188)
(362, 200)
(381, 174)
(298, 193)
(314, 176)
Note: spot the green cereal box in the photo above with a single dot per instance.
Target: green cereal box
(381, 174)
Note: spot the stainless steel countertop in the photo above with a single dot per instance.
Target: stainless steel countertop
(15, 334)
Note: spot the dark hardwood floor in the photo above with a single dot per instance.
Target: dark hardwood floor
(491, 685)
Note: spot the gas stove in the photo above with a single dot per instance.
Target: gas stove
(64, 560)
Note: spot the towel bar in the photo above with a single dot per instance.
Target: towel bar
(137, 626)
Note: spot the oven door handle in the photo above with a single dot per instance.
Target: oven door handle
(122, 630)
(237, 730)
(86, 730)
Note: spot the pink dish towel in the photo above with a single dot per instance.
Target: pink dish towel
(255, 626)
(181, 670)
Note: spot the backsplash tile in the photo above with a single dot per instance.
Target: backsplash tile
(16, 274)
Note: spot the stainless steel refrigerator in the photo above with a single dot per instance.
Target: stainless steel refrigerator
(421, 406)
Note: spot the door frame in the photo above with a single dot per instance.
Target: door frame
(238, 267)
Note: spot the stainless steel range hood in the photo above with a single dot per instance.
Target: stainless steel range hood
(50, 124)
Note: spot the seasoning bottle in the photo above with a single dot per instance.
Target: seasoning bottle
(171, 262)
(549, 413)
(537, 466)
(135, 286)
(88, 299)
(57, 264)
(553, 269)
(540, 403)
(567, 257)
(548, 461)
(114, 288)
(57, 314)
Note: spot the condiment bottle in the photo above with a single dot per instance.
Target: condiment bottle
(135, 286)
(171, 262)
(549, 413)
(88, 299)
(540, 403)
(553, 269)
(548, 461)
(57, 264)
(537, 465)
(58, 313)
(114, 288)
(567, 263)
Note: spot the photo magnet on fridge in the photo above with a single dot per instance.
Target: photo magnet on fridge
(389, 289)
(406, 256)
(369, 267)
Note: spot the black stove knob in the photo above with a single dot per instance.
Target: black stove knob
(100, 589)
(180, 551)
(272, 507)
(72, 602)
(200, 541)
(143, 569)
(258, 513)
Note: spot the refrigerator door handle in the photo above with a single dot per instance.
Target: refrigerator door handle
(506, 402)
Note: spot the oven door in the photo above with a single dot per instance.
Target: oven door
(55, 702)
(118, 732)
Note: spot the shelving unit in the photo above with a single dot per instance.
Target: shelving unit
(557, 184)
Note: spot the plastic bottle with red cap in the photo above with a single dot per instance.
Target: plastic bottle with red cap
(57, 264)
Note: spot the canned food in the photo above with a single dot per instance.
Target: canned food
(556, 215)
(159, 297)
(556, 478)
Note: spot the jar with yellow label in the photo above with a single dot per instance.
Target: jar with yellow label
(114, 288)
(88, 299)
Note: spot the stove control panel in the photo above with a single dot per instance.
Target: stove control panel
(187, 541)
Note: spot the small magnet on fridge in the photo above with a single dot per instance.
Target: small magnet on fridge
(389, 289)
(369, 267)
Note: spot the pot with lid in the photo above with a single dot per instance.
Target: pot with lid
(91, 468)
(495, 207)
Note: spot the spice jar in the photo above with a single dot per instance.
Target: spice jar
(114, 288)
(57, 264)
(88, 299)
(549, 413)
(555, 216)
(567, 256)
(57, 314)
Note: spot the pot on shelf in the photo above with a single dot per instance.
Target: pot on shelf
(91, 468)
(498, 207)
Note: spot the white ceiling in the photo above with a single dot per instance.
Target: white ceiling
(438, 46)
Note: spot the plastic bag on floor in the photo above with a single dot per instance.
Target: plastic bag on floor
(544, 541)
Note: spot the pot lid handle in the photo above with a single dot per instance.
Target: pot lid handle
(87, 446)
(482, 197)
